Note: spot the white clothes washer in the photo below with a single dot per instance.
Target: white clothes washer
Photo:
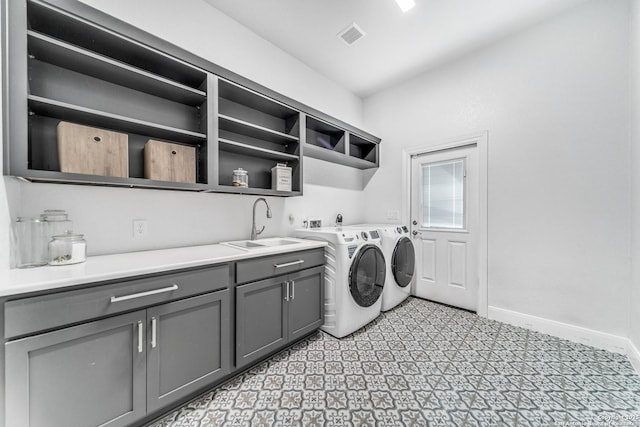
(354, 279)
(399, 255)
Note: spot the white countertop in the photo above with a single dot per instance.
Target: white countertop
(118, 266)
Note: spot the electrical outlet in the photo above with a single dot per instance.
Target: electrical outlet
(139, 228)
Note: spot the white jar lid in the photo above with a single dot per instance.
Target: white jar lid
(69, 236)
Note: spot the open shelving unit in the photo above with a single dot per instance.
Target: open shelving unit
(362, 149)
(68, 62)
(84, 61)
(85, 74)
(332, 143)
(326, 136)
(255, 133)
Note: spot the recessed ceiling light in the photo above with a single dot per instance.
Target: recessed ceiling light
(406, 5)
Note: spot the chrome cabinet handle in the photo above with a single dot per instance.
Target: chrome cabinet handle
(144, 294)
(288, 264)
(286, 294)
(140, 335)
(293, 289)
(154, 327)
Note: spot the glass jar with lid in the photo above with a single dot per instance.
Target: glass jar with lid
(240, 178)
(67, 249)
(56, 223)
(31, 242)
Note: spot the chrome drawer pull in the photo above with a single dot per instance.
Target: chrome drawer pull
(154, 327)
(293, 289)
(286, 294)
(144, 294)
(140, 336)
(288, 264)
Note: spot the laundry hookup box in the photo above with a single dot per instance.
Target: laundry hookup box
(281, 177)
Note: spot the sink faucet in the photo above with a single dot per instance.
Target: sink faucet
(254, 231)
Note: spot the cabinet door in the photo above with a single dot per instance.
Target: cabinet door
(87, 375)
(188, 346)
(260, 313)
(306, 301)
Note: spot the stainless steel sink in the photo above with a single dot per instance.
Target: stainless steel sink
(277, 242)
(262, 243)
(244, 244)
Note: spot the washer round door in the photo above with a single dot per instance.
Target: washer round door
(366, 275)
(403, 262)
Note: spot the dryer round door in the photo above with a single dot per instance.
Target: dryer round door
(403, 262)
(366, 275)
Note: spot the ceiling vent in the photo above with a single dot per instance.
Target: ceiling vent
(351, 34)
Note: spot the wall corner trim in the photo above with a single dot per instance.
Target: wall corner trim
(634, 355)
(602, 340)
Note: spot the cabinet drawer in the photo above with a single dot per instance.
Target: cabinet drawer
(269, 266)
(29, 315)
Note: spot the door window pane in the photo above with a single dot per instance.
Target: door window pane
(443, 194)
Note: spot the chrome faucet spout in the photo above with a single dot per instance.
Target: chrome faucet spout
(254, 230)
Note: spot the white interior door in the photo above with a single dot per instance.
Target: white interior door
(444, 226)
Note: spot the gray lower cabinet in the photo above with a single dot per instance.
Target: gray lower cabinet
(306, 302)
(88, 375)
(273, 312)
(260, 314)
(114, 371)
(188, 347)
(115, 354)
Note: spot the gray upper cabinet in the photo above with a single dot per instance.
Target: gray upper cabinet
(68, 62)
(88, 375)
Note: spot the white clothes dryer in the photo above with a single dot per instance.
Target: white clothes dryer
(400, 258)
(354, 279)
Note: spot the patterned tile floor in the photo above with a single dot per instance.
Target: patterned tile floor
(425, 364)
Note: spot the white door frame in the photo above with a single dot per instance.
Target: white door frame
(481, 141)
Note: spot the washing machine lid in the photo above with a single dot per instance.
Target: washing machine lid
(367, 275)
(403, 261)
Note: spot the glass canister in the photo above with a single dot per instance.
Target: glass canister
(56, 222)
(240, 178)
(67, 249)
(31, 239)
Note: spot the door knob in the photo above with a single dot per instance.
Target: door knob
(414, 232)
(415, 222)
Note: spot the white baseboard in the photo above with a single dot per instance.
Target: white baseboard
(634, 356)
(613, 343)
